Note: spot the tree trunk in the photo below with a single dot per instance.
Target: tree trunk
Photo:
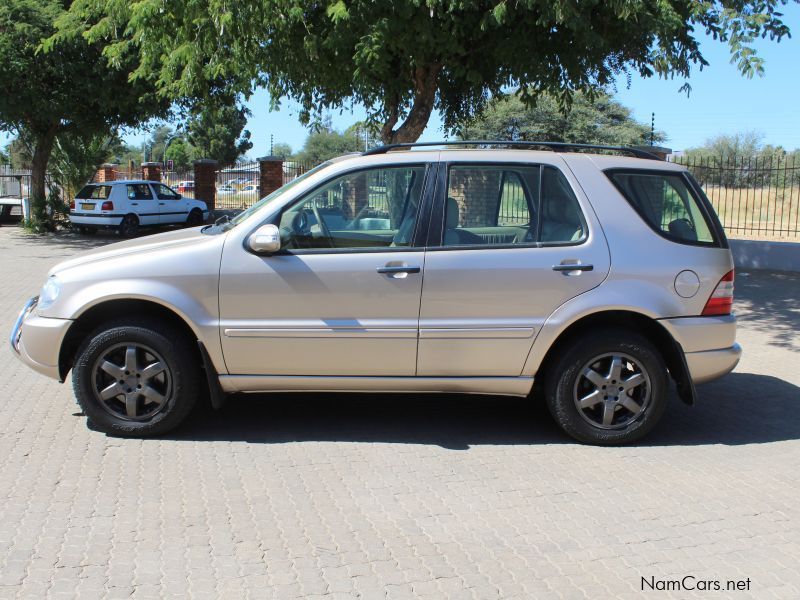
(41, 157)
(426, 82)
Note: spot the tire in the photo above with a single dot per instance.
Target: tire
(151, 399)
(129, 226)
(195, 218)
(585, 403)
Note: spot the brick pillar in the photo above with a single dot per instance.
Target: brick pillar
(106, 172)
(355, 195)
(270, 174)
(205, 181)
(151, 171)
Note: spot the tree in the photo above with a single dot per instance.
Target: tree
(281, 150)
(71, 89)
(324, 142)
(403, 59)
(599, 121)
(217, 130)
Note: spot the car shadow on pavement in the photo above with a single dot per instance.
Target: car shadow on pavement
(741, 408)
(769, 302)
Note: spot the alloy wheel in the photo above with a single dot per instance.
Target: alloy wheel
(612, 391)
(132, 381)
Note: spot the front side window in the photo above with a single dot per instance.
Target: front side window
(139, 191)
(372, 208)
(666, 203)
(493, 205)
(165, 193)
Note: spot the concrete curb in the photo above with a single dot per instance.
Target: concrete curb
(757, 254)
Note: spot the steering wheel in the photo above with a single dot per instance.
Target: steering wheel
(322, 226)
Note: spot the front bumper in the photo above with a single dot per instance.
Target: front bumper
(709, 344)
(36, 340)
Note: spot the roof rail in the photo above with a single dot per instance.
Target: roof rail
(554, 146)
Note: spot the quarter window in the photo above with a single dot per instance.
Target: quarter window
(510, 205)
(666, 203)
(374, 208)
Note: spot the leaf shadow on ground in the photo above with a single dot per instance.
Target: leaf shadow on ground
(769, 302)
(742, 408)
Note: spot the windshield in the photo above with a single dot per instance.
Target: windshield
(267, 199)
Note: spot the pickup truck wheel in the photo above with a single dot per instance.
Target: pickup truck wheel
(129, 226)
(136, 378)
(607, 388)
(195, 218)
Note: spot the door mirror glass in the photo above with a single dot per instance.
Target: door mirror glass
(265, 240)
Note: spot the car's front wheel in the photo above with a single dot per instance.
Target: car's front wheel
(195, 218)
(136, 378)
(609, 387)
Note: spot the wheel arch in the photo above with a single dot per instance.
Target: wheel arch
(669, 348)
(109, 310)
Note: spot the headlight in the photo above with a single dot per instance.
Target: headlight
(50, 291)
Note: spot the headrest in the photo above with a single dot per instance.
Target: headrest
(452, 214)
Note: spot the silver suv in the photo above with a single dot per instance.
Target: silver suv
(588, 280)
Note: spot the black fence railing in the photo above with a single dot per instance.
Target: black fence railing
(754, 197)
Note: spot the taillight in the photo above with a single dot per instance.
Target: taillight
(721, 300)
(107, 205)
(72, 204)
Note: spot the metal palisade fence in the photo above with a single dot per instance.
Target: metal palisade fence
(755, 197)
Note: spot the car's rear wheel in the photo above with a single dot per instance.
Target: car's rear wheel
(609, 387)
(195, 218)
(129, 226)
(136, 378)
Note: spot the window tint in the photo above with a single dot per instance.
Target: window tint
(97, 192)
(165, 193)
(561, 217)
(139, 191)
(502, 205)
(666, 203)
(366, 209)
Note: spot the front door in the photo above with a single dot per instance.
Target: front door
(142, 202)
(342, 296)
(172, 207)
(512, 242)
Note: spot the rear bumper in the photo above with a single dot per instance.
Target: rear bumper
(710, 364)
(97, 221)
(36, 340)
(709, 344)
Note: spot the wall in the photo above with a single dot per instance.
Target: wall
(757, 254)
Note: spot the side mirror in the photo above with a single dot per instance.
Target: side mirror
(265, 240)
(179, 196)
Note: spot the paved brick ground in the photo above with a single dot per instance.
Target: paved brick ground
(401, 497)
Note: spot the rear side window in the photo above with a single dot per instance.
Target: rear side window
(667, 203)
(139, 191)
(95, 192)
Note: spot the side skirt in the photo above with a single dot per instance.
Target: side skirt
(504, 386)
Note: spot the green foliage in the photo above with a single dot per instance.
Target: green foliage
(743, 160)
(601, 120)
(282, 150)
(324, 142)
(67, 88)
(402, 59)
(217, 130)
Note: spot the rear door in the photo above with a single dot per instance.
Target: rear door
(509, 243)
(141, 201)
(172, 207)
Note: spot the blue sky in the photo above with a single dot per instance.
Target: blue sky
(721, 101)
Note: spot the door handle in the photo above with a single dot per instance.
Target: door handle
(161, 203)
(398, 269)
(577, 267)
